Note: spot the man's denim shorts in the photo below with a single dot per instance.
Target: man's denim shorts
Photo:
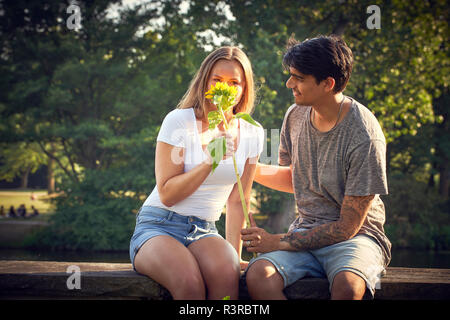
(361, 255)
(152, 222)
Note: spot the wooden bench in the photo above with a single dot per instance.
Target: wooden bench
(49, 280)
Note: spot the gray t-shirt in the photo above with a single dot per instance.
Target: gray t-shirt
(350, 159)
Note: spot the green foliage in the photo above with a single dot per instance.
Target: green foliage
(269, 202)
(398, 69)
(220, 225)
(95, 109)
(18, 158)
(98, 213)
(395, 76)
(400, 73)
(91, 216)
(246, 117)
(416, 216)
(92, 100)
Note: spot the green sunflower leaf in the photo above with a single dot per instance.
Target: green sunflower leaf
(214, 119)
(248, 118)
(217, 149)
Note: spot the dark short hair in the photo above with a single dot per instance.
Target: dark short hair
(321, 57)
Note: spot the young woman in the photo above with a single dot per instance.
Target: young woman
(175, 241)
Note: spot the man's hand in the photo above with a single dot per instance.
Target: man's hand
(259, 240)
(353, 213)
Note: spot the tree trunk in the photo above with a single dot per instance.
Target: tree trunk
(444, 190)
(441, 132)
(431, 182)
(50, 176)
(24, 179)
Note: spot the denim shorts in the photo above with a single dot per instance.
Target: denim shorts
(152, 222)
(361, 255)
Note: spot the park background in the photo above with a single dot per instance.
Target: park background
(81, 108)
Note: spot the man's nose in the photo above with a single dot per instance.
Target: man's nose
(289, 83)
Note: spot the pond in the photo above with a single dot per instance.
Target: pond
(420, 258)
(400, 257)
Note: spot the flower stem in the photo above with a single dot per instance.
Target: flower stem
(238, 178)
(241, 193)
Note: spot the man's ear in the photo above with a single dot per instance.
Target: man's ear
(329, 84)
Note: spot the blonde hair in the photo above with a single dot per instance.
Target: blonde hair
(195, 95)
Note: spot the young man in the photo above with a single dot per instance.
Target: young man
(332, 157)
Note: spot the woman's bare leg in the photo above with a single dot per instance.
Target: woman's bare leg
(219, 266)
(171, 264)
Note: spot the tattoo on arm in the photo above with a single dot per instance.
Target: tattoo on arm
(353, 213)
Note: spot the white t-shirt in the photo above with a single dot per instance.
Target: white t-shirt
(179, 128)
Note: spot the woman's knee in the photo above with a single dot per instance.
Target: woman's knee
(222, 272)
(228, 273)
(170, 264)
(217, 259)
(188, 286)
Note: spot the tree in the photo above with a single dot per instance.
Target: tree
(20, 159)
(93, 99)
(96, 108)
(401, 70)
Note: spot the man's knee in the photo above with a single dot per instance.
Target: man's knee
(264, 281)
(263, 273)
(348, 286)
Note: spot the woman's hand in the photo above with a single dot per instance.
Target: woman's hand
(229, 140)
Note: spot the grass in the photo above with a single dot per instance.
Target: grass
(16, 197)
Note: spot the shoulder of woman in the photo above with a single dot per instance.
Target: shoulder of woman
(179, 116)
(251, 131)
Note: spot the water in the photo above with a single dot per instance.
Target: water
(420, 258)
(400, 257)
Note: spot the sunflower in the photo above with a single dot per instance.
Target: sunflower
(222, 95)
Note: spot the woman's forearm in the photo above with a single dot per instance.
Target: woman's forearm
(274, 177)
(182, 186)
(235, 222)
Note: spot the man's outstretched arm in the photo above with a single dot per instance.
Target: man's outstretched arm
(353, 213)
(275, 177)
